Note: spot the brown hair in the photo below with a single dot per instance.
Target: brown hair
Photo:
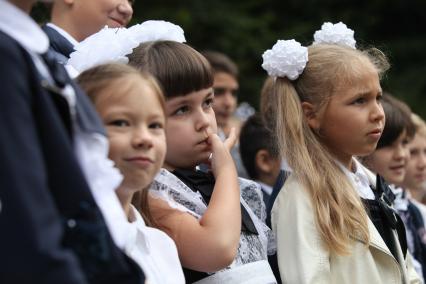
(419, 125)
(398, 119)
(179, 68)
(97, 79)
(221, 63)
(338, 210)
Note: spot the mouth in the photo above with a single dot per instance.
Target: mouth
(203, 142)
(397, 168)
(117, 22)
(140, 161)
(375, 133)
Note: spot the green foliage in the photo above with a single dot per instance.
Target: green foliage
(244, 29)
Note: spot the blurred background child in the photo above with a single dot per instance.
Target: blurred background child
(389, 160)
(260, 154)
(415, 176)
(73, 21)
(225, 87)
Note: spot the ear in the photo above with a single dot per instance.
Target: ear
(262, 161)
(311, 115)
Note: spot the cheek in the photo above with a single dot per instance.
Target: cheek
(160, 148)
(115, 149)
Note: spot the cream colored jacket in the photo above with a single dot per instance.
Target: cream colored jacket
(302, 258)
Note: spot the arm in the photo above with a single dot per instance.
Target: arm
(30, 226)
(211, 243)
(301, 255)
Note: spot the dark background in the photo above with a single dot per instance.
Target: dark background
(244, 29)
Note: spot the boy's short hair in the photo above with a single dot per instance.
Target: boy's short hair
(398, 119)
(221, 63)
(255, 136)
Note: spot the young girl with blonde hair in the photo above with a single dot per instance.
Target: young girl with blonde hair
(131, 106)
(328, 111)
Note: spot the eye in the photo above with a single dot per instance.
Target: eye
(181, 111)
(219, 91)
(379, 98)
(119, 123)
(208, 102)
(414, 152)
(156, 125)
(359, 101)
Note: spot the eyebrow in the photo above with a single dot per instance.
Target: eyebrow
(184, 99)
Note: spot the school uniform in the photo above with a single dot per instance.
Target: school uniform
(303, 257)
(51, 227)
(61, 42)
(154, 251)
(190, 191)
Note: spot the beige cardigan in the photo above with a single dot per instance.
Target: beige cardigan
(302, 258)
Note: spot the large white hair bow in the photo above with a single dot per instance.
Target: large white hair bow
(112, 44)
(335, 34)
(287, 58)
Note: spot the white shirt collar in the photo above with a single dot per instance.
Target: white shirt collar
(63, 33)
(18, 25)
(266, 188)
(360, 179)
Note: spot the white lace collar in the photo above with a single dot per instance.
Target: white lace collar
(18, 25)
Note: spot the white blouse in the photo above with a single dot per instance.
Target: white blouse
(154, 251)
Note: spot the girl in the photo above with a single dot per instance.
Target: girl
(325, 116)
(415, 176)
(389, 160)
(391, 155)
(214, 229)
(131, 105)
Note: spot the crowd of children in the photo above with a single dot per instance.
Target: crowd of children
(135, 170)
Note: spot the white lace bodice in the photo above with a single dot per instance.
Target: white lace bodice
(252, 247)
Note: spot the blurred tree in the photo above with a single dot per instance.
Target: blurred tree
(244, 29)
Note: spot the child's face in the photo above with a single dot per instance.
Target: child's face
(416, 166)
(135, 123)
(190, 119)
(353, 120)
(93, 15)
(225, 101)
(390, 161)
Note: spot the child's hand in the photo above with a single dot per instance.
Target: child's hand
(221, 159)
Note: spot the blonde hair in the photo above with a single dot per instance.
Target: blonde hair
(339, 212)
(419, 124)
(97, 79)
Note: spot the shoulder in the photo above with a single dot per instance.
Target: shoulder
(292, 193)
(10, 51)
(292, 205)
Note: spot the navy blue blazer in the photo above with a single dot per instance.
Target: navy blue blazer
(51, 230)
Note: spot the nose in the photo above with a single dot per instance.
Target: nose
(377, 113)
(401, 152)
(142, 138)
(202, 120)
(126, 10)
(228, 99)
(422, 161)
